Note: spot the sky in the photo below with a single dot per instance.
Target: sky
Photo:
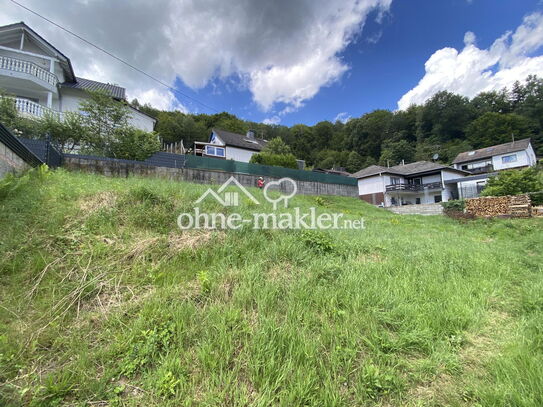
(294, 61)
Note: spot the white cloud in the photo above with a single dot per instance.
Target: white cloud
(284, 50)
(475, 70)
(343, 117)
(272, 120)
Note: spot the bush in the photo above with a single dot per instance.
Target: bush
(133, 144)
(513, 182)
(536, 198)
(278, 160)
(456, 205)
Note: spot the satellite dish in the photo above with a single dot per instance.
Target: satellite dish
(435, 156)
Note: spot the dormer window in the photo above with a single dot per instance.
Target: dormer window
(509, 158)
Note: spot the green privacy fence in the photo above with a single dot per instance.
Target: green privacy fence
(193, 161)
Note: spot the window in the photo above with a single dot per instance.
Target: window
(509, 158)
(394, 180)
(417, 201)
(437, 198)
(216, 151)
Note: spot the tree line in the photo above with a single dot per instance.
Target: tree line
(446, 125)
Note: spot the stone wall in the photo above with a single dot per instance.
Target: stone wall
(124, 169)
(421, 209)
(10, 162)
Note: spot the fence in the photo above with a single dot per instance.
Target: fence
(44, 150)
(193, 161)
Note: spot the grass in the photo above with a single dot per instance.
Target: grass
(104, 302)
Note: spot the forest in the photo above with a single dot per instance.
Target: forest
(446, 124)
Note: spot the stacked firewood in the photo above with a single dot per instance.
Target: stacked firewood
(518, 206)
(521, 206)
(488, 206)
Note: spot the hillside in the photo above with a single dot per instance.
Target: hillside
(104, 301)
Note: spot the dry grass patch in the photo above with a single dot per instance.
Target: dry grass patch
(192, 239)
(93, 203)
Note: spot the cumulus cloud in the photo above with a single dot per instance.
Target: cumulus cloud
(474, 70)
(284, 50)
(343, 117)
(272, 120)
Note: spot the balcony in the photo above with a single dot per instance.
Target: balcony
(482, 170)
(413, 187)
(29, 108)
(29, 68)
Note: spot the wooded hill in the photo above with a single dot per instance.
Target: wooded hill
(446, 124)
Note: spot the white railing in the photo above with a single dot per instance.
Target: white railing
(19, 65)
(28, 107)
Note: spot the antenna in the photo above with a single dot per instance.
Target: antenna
(435, 156)
(513, 137)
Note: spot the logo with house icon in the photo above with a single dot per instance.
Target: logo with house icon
(228, 198)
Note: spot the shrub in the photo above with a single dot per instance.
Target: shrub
(455, 205)
(279, 160)
(130, 143)
(513, 182)
(536, 198)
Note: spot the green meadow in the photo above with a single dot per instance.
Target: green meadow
(104, 301)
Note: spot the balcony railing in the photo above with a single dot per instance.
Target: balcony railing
(28, 107)
(413, 187)
(19, 65)
(482, 170)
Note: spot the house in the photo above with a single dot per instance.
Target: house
(486, 162)
(421, 182)
(230, 146)
(43, 80)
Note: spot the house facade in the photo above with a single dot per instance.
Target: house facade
(42, 78)
(421, 182)
(487, 162)
(230, 146)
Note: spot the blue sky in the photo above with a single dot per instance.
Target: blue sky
(300, 61)
(382, 71)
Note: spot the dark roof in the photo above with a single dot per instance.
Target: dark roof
(332, 171)
(65, 61)
(419, 167)
(15, 145)
(240, 140)
(86, 84)
(492, 150)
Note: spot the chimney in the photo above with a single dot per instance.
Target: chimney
(250, 135)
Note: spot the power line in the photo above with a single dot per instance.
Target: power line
(115, 57)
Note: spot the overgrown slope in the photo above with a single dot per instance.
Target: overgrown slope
(103, 301)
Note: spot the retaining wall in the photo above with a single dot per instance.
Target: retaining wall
(124, 168)
(10, 162)
(421, 209)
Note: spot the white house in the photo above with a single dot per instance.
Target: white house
(231, 146)
(486, 162)
(421, 182)
(43, 80)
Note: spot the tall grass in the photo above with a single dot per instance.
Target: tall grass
(103, 301)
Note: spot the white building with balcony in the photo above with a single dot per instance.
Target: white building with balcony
(42, 78)
(421, 182)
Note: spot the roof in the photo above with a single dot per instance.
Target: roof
(64, 60)
(15, 145)
(240, 140)
(332, 171)
(419, 167)
(115, 91)
(492, 151)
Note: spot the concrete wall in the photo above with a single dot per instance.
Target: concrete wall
(10, 162)
(123, 169)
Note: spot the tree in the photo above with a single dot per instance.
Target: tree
(103, 115)
(514, 182)
(495, 128)
(133, 144)
(394, 153)
(277, 146)
(497, 102)
(65, 132)
(8, 112)
(355, 162)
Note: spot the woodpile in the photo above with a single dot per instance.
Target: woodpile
(521, 206)
(517, 206)
(537, 211)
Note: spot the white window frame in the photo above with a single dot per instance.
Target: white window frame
(213, 151)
